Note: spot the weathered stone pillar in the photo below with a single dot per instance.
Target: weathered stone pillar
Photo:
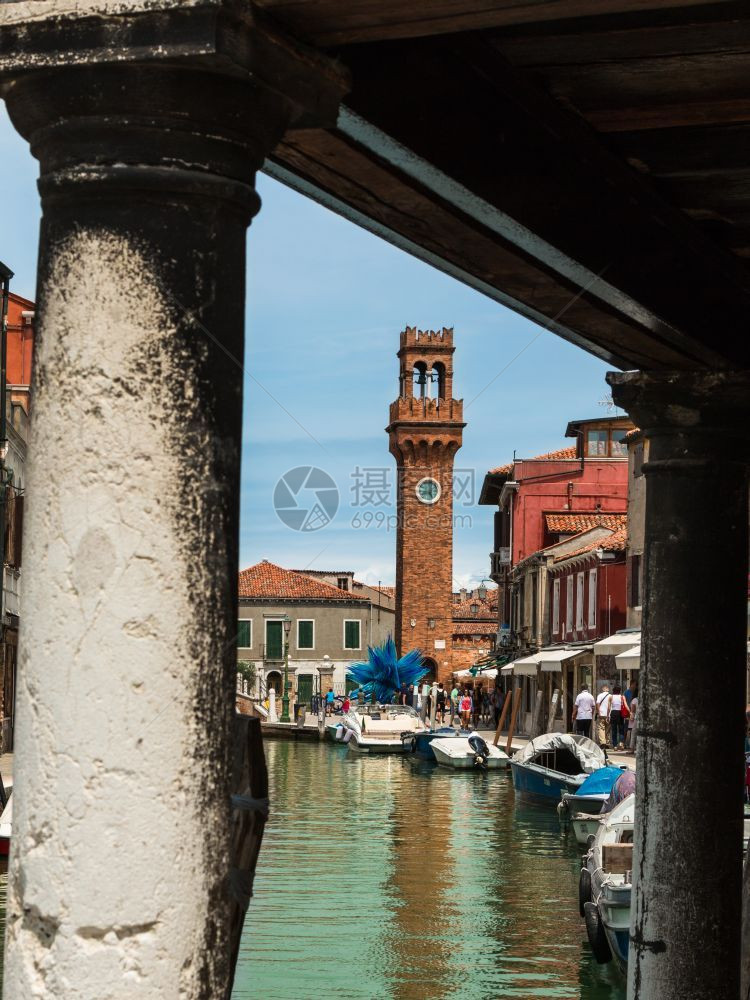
(685, 930)
(149, 126)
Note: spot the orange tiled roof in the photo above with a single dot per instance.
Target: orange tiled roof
(614, 543)
(568, 452)
(474, 628)
(572, 522)
(266, 579)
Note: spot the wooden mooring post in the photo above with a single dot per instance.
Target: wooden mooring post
(514, 716)
(249, 815)
(500, 724)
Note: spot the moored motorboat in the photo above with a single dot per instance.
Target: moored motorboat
(420, 744)
(580, 810)
(469, 752)
(379, 728)
(605, 884)
(555, 763)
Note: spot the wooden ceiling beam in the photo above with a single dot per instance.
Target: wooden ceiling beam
(331, 23)
(452, 116)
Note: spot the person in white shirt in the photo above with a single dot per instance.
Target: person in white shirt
(426, 692)
(603, 702)
(583, 711)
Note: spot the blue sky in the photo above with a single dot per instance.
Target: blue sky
(326, 302)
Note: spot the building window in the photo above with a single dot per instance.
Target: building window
(244, 633)
(592, 599)
(569, 603)
(351, 634)
(555, 606)
(579, 601)
(635, 581)
(596, 444)
(605, 443)
(305, 633)
(618, 447)
(343, 583)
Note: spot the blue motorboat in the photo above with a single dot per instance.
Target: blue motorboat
(555, 763)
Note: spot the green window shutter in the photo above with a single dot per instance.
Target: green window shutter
(351, 635)
(243, 632)
(305, 635)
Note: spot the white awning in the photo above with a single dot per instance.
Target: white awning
(526, 665)
(617, 643)
(490, 673)
(507, 669)
(551, 660)
(630, 659)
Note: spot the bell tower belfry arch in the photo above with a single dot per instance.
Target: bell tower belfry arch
(424, 434)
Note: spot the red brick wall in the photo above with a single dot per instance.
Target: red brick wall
(610, 600)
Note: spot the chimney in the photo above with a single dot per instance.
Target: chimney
(462, 594)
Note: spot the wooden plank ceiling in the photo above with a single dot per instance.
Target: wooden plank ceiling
(584, 161)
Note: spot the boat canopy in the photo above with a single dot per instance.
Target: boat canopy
(622, 789)
(601, 781)
(589, 756)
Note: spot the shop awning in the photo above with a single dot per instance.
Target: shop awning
(630, 659)
(617, 643)
(526, 665)
(551, 660)
(490, 673)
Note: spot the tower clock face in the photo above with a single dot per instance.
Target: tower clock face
(428, 490)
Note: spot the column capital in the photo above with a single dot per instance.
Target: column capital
(222, 36)
(157, 96)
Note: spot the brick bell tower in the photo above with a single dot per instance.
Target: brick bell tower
(424, 433)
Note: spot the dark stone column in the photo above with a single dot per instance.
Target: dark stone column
(685, 929)
(149, 127)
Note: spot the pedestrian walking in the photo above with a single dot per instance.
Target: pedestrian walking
(426, 688)
(441, 703)
(413, 697)
(404, 695)
(329, 701)
(631, 721)
(476, 707)
(618, 711)
(583, 711)
(466, 706)
(602, 716)
(454, 702)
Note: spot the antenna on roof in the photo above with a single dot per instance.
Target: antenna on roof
(608, 402)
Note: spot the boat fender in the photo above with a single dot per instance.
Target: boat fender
(339, 732)
(414, 744)
(584, 890)
(348, 735)
(590, 840)
(595, 931)
(480, 761)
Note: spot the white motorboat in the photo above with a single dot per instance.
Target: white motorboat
(606, 882)
(378, 728)
(470, 752)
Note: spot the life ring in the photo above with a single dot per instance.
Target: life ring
(595, 931)
(584, 889)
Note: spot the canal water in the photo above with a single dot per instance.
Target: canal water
(387, 879)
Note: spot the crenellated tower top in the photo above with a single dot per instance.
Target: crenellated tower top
(426, 364)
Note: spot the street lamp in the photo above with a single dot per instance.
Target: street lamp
(285, 700)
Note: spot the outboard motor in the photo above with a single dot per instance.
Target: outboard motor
(481, 751)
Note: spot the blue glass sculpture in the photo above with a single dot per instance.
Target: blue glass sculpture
(383, 673)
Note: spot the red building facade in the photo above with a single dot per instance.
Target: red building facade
(587, 591)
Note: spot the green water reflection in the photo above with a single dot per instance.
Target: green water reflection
(381, 878)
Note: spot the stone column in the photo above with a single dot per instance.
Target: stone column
(149, 126)
(685, 929)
